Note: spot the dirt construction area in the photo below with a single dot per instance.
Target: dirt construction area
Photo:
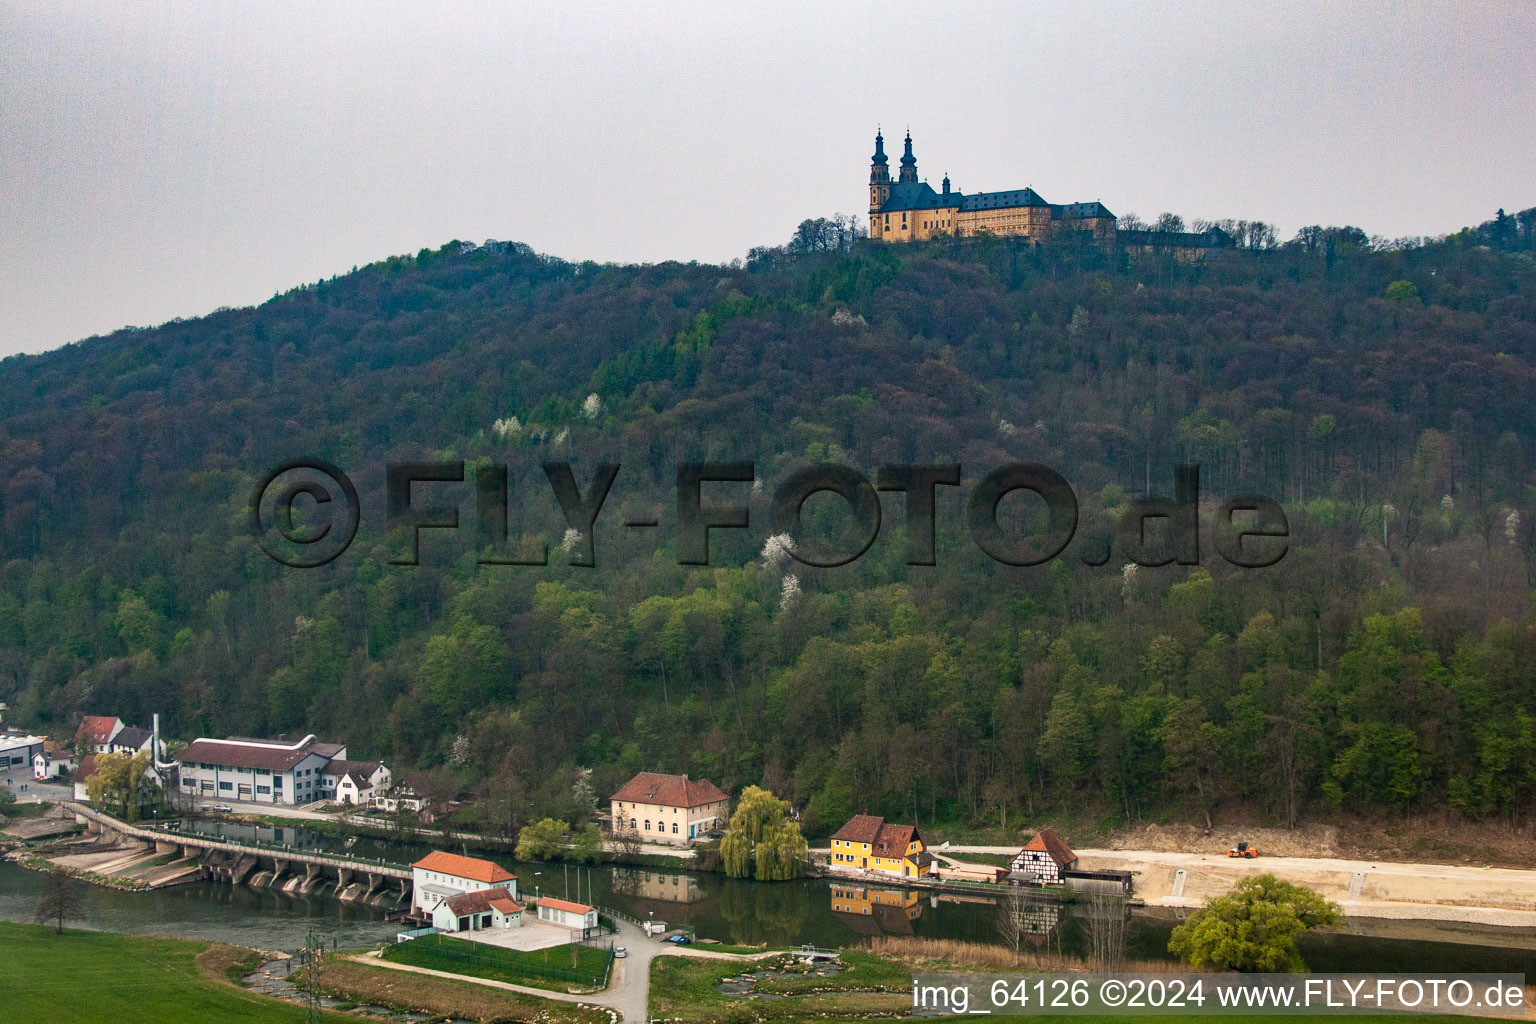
(1497, 897)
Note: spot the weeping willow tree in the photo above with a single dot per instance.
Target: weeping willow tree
(761, 842)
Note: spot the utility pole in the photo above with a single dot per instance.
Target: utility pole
(312, 950)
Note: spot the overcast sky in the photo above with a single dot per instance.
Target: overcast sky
(165, 161)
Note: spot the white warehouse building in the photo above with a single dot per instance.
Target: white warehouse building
(258, 771)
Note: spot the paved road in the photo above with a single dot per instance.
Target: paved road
(35, 791)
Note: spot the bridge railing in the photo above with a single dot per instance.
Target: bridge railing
(168, 833)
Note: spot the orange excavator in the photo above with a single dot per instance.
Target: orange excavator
(1243, 850)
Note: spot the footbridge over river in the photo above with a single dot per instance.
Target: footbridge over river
(264, 865)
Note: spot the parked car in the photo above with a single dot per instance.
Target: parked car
(224, 808)
(681, 940)
(619, 952)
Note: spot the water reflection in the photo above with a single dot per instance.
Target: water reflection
(825, 912)
(876, 911)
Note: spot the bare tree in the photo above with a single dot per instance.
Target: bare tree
(626, 842)
(1105, 916)
(60, 901)
(1013, 921)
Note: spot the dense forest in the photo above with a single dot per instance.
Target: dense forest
(1382, 393)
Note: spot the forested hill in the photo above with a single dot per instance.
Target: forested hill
(1384, 395)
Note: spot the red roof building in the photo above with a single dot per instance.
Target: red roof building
(1044, 858)
(98, 730)
(673, 810)
(474, 869)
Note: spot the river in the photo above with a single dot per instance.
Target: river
(824, 912)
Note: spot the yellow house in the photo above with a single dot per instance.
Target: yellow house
(869, 843)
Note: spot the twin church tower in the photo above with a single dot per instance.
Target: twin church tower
(909, 210)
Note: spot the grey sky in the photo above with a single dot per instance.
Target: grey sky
(179, 157)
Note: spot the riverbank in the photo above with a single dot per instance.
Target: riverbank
(1485, 897)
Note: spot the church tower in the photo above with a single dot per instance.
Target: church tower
(908, 164)
(879, 177)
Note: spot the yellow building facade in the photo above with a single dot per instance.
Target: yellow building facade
(909, 210)
(868, 843)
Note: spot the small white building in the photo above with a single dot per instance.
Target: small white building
(130, 739)
(441, 875)
(53, 764)
(354, 782)
(17, 749)
(390, 799)
(473, 911)
(567, 914)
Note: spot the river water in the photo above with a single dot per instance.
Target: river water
(824, 912)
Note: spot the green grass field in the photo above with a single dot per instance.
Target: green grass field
(543, 968)
(88, 977)
(873, 987)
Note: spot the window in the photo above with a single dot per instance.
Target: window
(226, 785)
(674, 828)
(647, 824)
(631, 822)
(264, 789)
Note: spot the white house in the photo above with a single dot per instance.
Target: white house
(472, 911)
(130, 739)
(97, 731)
(51, 764)
(389, 799)
(354, 782)
(17, 749)
(441, 875)
(261, 771)
(566, 913)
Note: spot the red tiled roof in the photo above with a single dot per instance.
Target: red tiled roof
(97, 728)
(464, 867)
(360, 771)
(480, 901)
(246, 754)
(861, 828)
(1047, 841)
(566, 905)
(87, 768)
(505, 904)
(669, 790)
(884, 838)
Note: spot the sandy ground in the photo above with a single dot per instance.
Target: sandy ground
(1499, 897)
(1482, 896)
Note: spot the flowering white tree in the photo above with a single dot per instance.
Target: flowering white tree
(789, 592)
(592, 407)
(1128, 581)
(505, 428)
(570, 540)
(776, 551)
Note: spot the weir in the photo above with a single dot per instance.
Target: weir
(298, 871)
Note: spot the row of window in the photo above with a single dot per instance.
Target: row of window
(661, 826)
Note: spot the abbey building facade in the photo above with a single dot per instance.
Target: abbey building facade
(909, 210)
